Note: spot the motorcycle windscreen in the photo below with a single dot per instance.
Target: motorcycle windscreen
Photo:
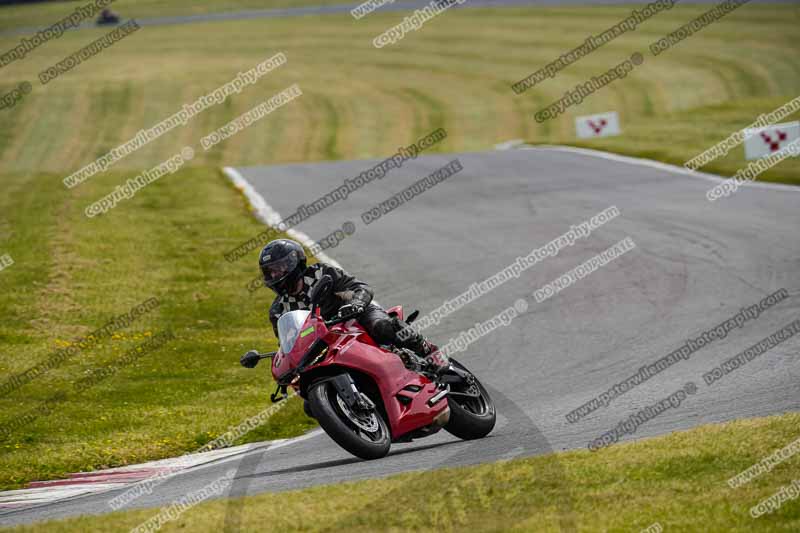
(289, 326)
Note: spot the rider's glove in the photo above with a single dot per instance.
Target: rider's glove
(351, 309)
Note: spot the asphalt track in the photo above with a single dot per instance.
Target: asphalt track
(695, 264)
(345, 9)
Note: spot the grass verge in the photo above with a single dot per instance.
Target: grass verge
(361, 102)
(72, 274)
(688, 130)
(678, 481)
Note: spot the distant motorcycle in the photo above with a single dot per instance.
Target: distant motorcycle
(107, 17)
(366, 396)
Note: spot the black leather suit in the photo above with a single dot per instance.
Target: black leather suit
(347, 290)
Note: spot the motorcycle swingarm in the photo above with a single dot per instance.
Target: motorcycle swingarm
(352, 397)
(459, 376)
(455, 375)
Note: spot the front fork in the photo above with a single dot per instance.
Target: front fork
(279, 395)
(347, 390)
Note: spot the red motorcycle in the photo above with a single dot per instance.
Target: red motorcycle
(366, 396)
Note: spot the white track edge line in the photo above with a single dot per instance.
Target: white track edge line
(74, 492)
(266, 214)
(269, 216)
(656, 164)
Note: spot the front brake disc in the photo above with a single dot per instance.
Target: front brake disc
(368, 423)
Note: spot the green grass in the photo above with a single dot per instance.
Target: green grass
(362, 102)
(710, 125)
(73, 273)
(678, 480)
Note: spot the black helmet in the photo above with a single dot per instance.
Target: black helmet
(282, 262)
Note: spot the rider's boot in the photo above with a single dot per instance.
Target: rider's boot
(437, 360)
(428, 351)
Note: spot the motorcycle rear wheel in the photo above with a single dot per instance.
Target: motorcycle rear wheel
(470, 418)
(364, 435)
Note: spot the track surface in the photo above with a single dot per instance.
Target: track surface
(409, 5)
(695, 265)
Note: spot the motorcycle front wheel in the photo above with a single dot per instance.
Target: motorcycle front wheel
(362, 433)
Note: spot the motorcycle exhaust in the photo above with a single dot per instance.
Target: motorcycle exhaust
(438, 396)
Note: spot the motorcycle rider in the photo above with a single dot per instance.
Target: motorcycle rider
(283, 265)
